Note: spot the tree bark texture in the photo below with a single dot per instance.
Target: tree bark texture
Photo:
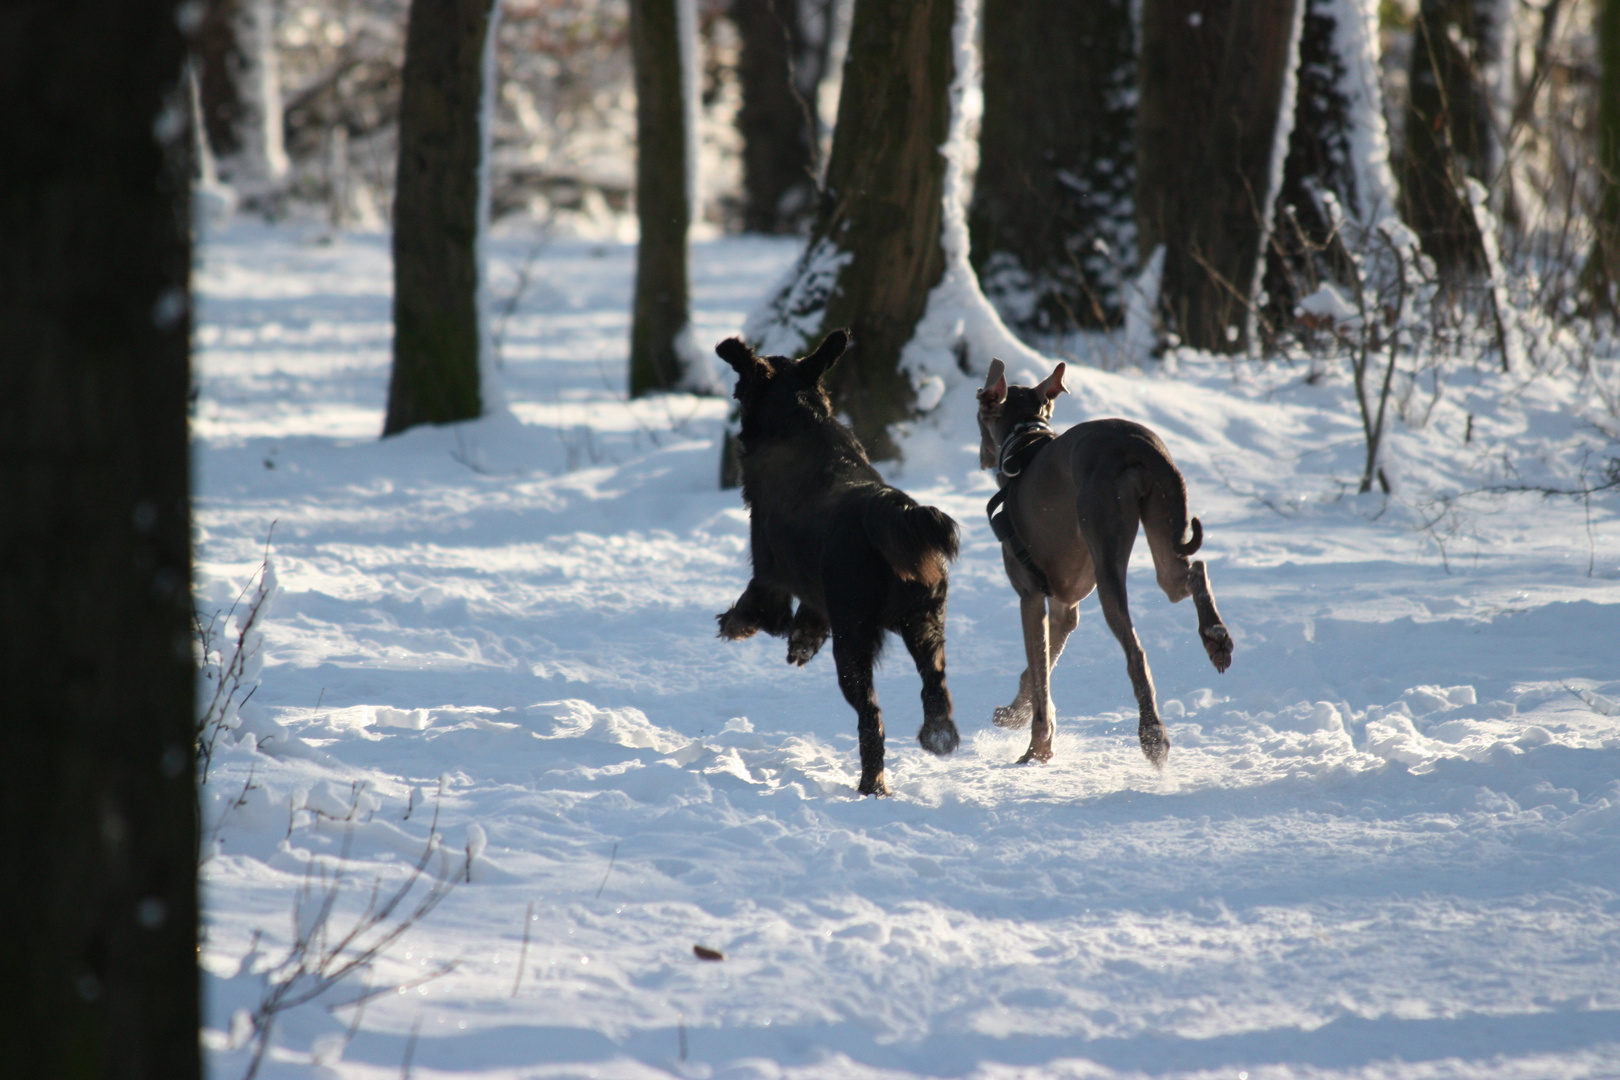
(1057, 163)
(662, 305)
(1602, 271)
(875, 249)
(1302, 250)
(1448, 129)
(436, 217)
(777, 117)
(96, 671)
(1211, 99)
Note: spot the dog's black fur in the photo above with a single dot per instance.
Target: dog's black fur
(860, 556)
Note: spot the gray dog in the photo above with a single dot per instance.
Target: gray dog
(1067, 514)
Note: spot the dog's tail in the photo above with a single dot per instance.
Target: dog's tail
(1197, 540)
(915, 540)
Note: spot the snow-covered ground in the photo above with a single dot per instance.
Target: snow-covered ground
(1387, 842)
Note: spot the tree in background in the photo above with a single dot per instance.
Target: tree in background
(238, 79)
(785, 45)
(97, 679)
(663, 44)
(874, 250)
(1449, 125)
(1602, 271)
(1212, 99)
(439, 204)
(1336, 178)
(1057, 164)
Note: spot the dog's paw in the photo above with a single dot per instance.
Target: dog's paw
(803, 646)
(1218, 643)
(1155, 743)
(939, 738)
(875, 785)
(1041, 753)
(734, 627)
(1014, 717)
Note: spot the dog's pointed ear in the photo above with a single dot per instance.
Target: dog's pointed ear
(814, 366)
(1052, 385)
(995, 384)
(735, 351)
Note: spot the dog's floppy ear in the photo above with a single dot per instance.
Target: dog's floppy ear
(814, 366)
(735, 351)
(995, 384)
(1052, 385)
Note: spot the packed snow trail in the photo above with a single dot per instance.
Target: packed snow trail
(1386, 844)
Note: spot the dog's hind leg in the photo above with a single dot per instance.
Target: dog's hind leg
(806, 636)
(1110, 539)
(924, 634)
(855, 649)
(760, 607)
(1180, 579)
(1211, 630)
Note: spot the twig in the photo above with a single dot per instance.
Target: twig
(611, 859)
(523, 954)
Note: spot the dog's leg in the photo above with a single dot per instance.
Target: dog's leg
(855, 648)
(1061, 620)
(1037, 660)
(760, 607)
(924, 635)
(1110, 543)
(1217, 640)
(806, 636)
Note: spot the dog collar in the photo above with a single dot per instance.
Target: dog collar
(1022, 444)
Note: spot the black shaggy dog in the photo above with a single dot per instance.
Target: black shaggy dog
(860, 556)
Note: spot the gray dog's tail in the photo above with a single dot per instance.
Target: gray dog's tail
(915, 540)
(1195, 543)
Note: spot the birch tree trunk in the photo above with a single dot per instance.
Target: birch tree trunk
(96, 674)
(438, 206)
(1057, 163)
(239, 82)
(875, 251)
(1216, 94)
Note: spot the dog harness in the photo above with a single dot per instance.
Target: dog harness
(1018, 449)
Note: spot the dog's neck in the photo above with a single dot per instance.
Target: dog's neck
(1020, 445)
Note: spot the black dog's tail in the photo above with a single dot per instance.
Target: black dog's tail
(916, 541)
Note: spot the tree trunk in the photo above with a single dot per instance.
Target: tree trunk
(665, 172)
(1215, 95)
(1057, 163)
(240, 86)
(1448, 129)
(875, 252)
(777, 119)
(1602, 271)
(438, 204)
(1338, 156)
(96, 672)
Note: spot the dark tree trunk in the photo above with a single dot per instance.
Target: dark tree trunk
(436, 216)
(1211, 100)
(1448, 129)
(777, 118)
(1057, 163)
(875, 249)
(1334, 97)
(96, 671)
(1602, 271)
(662, 306)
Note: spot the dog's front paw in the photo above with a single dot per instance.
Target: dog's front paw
(939, 738)
(1218, 643)
(876, 784)
(803, 645)
(1041, 752)
(734, 627)
(1013, 716)
(1155, 743)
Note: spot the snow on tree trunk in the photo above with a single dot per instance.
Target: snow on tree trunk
(97, 681)
(1053, 218)
(440, 347)
(240, 83)
(663, 45)
(779, 70)
(1337, 175)
(1451, 117)
(1215, 110)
